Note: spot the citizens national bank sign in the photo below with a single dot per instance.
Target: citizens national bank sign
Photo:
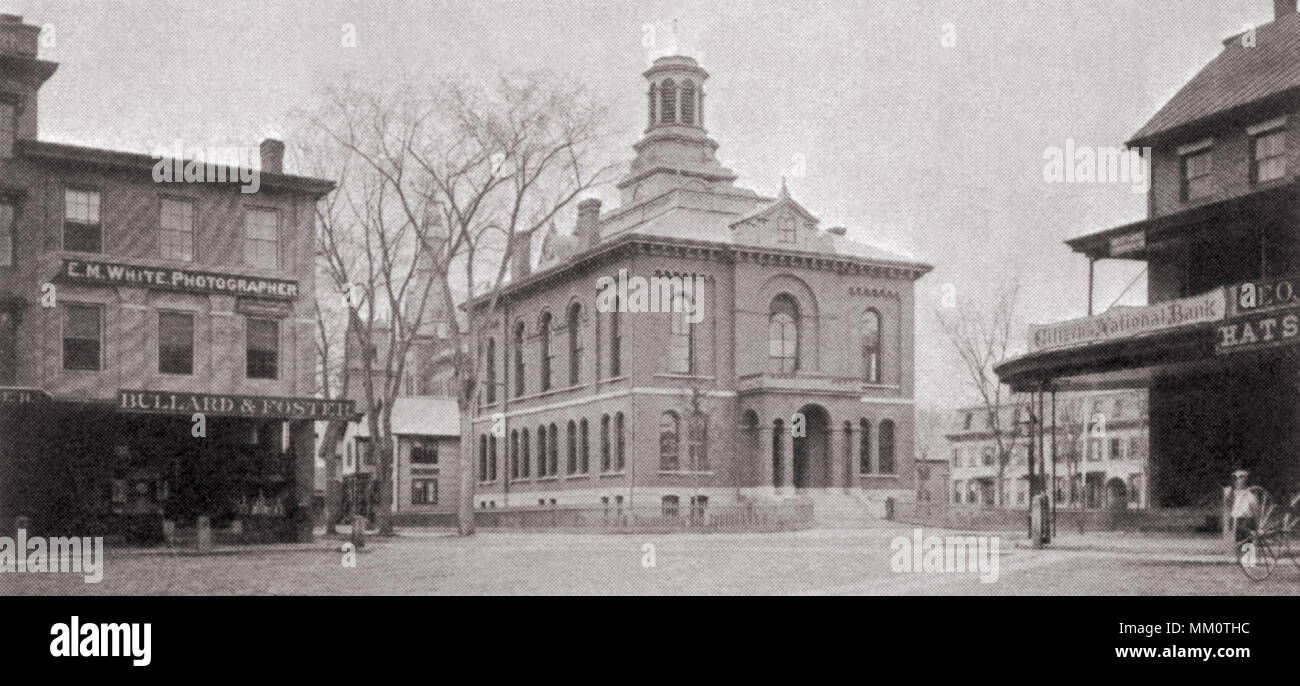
(1123, 322)
(110, 274)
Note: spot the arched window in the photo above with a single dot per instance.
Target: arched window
(699, 109)
(541, 450)
(871, 346)
(544, 332)
(514, 454)
(575, 344)
(668, 102)
(519, 359)
(620, 444)
(885, 456)
(606, 463)
(492, 458)
(682, 335)
(688, 103)
(864, 447)
(491, 370)
(669, 442)
(553, 457)
(778, 435)
(783, 335)
(698, 443)
(524, 459)
(615, 342)
(650, 114)
(482, 457)
(584, 447)
(571, 465)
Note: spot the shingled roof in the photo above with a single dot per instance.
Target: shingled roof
(1238, 76)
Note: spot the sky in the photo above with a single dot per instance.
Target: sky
(920, 125)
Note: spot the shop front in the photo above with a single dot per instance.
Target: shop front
(1223, 383)
(145, 469)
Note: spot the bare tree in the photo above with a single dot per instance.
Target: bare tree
(450, 182)
(983, 339)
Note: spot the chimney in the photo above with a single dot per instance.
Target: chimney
(1282, 8)
(273, 156)
(588, 228)
(521, 257)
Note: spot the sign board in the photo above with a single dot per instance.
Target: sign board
(1263, 296)
(22, 396)
(256, 307)
(1258, 330)
(1124, 322)
(185, 280)
(1128, 244)
(221, 405)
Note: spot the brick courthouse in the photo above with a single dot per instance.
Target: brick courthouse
(798, 325)
(126, 307)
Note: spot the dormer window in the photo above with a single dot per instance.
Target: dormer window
(785, 230)
(1268, 151)
(1197, 162)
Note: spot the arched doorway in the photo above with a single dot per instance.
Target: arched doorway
(811, 451)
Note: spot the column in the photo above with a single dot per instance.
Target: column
(302, 442)
(835, 444)
(764, 458)
(787, 462)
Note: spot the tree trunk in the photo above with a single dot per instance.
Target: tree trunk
(465, 474)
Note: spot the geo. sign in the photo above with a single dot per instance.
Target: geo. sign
(1264, 295)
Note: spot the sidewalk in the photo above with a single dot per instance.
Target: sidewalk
(1195, 548)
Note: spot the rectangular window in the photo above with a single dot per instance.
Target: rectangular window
(8, 229)
(8, 128)
(175, 343)
(81, 227)
(1198, 179)
(176, 230)
(424, 491)
(262, 238)
(263, 349)
(424, 452)
(671, 506)
(82, 337)
(1268, 156)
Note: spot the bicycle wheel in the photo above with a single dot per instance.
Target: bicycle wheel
(1291, 532)
(1256, 558)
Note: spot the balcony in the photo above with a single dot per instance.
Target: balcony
(809, 383)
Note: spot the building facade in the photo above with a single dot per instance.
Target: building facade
(156, 354)
(426, 436)
(1215, 349)
(1099, 461)
(698, 344)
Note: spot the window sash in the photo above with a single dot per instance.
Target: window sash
(82, 337)
(1269, 156)
(8, 128)
(176, 230)
(262, 238)
(8, 228)
(263, 348)
(175, 343)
